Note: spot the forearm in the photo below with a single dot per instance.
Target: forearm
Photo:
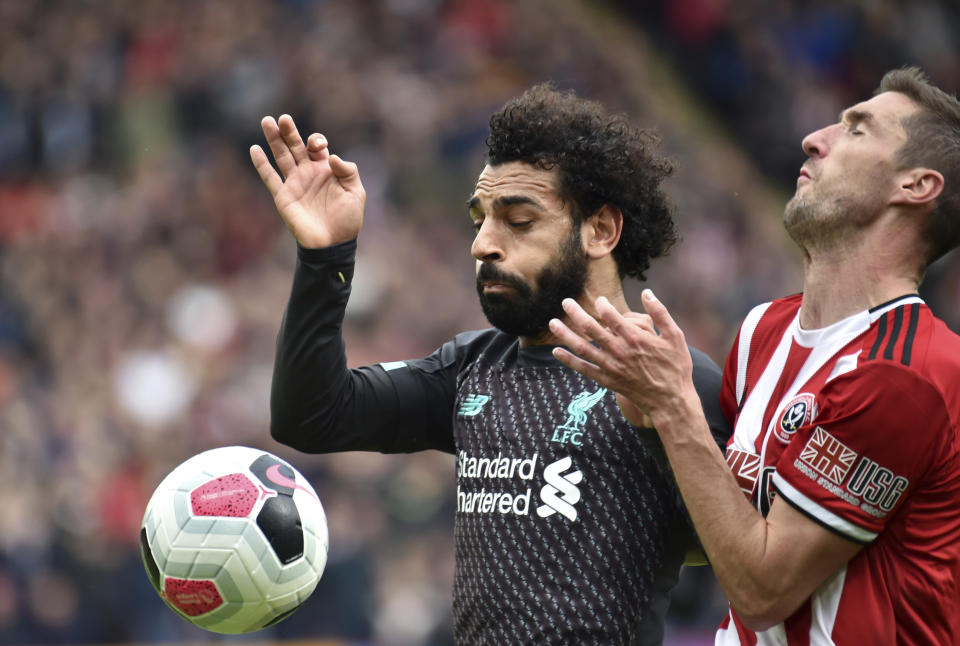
(318, 405)
(766, 565)
(734, 535)
(313, 392)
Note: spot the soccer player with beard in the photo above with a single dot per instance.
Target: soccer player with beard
(569, 528)
(838, 521)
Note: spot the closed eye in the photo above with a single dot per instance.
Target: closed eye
(852, 119)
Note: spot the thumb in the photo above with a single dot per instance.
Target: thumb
(632, 412)
(345, 172)
(659, 315)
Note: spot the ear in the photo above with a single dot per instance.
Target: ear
(917, 186)
(601, 231)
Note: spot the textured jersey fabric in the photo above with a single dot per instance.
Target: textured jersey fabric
(569, 529)
(855, 425)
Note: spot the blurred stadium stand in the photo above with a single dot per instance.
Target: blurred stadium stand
(143, 270)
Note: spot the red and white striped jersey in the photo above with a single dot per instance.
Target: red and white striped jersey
(856, 425)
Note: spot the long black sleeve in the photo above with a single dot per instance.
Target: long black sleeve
(318, 405)
(708, 380)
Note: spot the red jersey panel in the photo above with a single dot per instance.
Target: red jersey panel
(856, 425)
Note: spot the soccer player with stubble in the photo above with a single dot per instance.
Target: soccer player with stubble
(569, 528)
(836, 517)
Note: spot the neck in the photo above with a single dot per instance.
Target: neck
(838, 285)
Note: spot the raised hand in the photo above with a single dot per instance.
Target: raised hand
(320, 196)
(648, 371)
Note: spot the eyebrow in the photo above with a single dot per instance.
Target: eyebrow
(507, 200)
(855, 116)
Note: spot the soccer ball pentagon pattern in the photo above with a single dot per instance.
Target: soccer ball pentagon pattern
(234, 539)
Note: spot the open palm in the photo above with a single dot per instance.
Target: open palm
(320, 196)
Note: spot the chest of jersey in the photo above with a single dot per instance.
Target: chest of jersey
(534, 440)
(780, 399)
(564, 509)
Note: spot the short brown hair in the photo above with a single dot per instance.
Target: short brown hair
(933, 141)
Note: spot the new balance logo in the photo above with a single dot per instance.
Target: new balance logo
(564, 485)
(472, 405)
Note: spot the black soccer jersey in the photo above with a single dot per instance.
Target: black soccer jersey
(569, 529)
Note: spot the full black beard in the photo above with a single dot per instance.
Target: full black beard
(527, 311)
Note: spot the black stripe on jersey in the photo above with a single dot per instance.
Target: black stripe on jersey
(894, 333)
(832, 529)
(879, 307)
(881, 332)
(911, 332)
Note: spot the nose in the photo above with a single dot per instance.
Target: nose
(817, 143)
(486, 246)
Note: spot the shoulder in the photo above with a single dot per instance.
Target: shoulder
(707, 376)
(881, 377)
(704, 368)
(936, 347)
(912, 338)
(759, 335)
(909, 332)
(490, 343)
(484, 337)
(708, 381)
(484, 341)
(464, 349)
(768, 320)
(887, 393)
(778, 313)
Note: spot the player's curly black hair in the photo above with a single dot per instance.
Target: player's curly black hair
(601, 158)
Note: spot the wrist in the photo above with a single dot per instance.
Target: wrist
(337, 251)
(677, 419)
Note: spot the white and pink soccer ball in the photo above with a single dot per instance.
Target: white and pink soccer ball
(234, 539)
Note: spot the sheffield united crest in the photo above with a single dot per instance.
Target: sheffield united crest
(799, 411)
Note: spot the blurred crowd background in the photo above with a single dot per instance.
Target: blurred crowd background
(143, 269)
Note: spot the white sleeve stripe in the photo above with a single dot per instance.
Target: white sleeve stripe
(743, 346)
(820, 513)
(393, 365)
